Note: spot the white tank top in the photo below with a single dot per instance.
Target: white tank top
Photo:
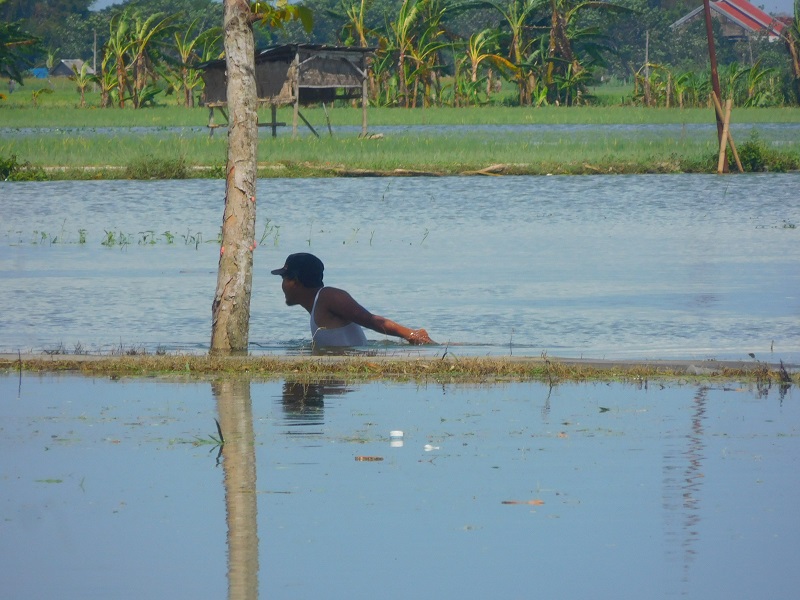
(349, 335)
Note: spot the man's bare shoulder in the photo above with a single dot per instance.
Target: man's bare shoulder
(340, 303)
(333, 294)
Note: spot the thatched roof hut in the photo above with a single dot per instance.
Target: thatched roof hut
(298, 74)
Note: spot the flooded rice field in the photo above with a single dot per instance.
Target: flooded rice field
(778, 134)
(674, 266)
(132, 488)
(122, 489)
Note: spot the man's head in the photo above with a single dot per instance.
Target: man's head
(303, 267)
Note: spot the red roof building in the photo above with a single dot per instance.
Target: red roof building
(739, 19)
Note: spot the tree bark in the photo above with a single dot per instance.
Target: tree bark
(231, 307)
(794, 51)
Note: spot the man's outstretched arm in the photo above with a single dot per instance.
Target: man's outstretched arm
(344, 306)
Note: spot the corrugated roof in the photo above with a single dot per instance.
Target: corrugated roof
(741, 12)
(749, 16)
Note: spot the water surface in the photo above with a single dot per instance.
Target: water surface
(676, 266)
(115, 489)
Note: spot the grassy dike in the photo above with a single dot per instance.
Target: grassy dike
(445, 369)
(58, 140)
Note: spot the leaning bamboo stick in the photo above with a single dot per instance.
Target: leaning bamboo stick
(729, 136)
(723, 144)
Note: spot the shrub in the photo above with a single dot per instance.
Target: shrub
(13, 170)
(157, 168)
(756, 157)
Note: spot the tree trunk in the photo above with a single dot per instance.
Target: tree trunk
(231, 307)
(794, 51)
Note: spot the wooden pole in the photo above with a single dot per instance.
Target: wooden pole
(364, 95)
(712, 55)
(327, 119)
(296, 94)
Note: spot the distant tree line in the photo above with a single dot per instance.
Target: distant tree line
(428, 52)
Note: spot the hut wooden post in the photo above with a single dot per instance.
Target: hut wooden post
(296, 86)
(364, 95)
(274, 111)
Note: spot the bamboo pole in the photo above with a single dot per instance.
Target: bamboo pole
(723, 144)
(726, 125)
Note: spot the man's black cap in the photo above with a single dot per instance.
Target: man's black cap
(304, 267)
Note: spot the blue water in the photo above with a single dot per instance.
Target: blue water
(115, 489)
(673, 266)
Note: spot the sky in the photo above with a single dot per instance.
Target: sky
(771, 6)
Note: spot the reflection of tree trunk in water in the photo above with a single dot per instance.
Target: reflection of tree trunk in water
(239, 463)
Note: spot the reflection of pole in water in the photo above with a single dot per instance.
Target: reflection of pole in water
(239, 463)
(683, 477)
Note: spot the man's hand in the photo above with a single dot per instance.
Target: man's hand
(419, 336)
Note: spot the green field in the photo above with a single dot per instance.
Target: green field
(57, 139)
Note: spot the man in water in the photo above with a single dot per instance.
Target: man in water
(336, 319)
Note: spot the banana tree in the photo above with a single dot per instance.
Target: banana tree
(193, 48)
(424, 55)
(517, 14)
(145, 32)
(118, 46)
(480, 48)
(106, 79)
(355, 27)
(758, 90)
(698, 87)
(565, 38)
(792, 39)
(383, 87)
(82, 79)
(403, 36)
